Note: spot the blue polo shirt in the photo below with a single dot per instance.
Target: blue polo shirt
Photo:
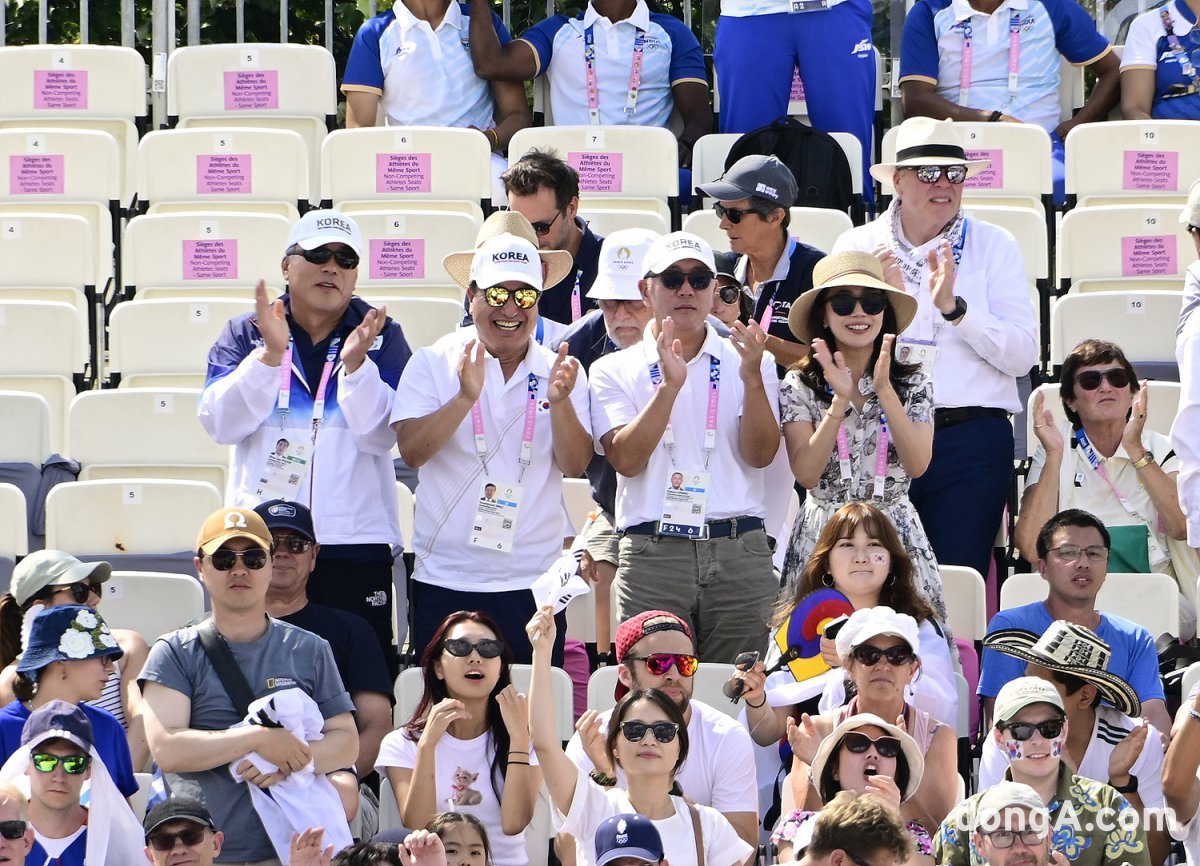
(424, 76)
(932, 51)
(1147, 46)
(670, 55)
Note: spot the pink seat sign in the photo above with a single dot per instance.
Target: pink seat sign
(397, 258)
(1148, 256)
(599, 171)
(60, 89)
(402, 172)
(31, 174)
(223, 174)
(251, 89)
(215, 259)
(1151, 170)
(991, 177)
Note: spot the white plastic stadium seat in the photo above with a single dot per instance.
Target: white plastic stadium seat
(966, 601)
(1150, 600)
(1144, 247)
(164, 343)
(1152, 161)
(151, 603)
(1141, 323)
(403, 252)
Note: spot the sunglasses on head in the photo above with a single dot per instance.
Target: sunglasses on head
(73, 765)
(497, 296)
(870, 655)
(13, 829)
(1022, 731)
(732, 214)
(1089, 380)
(843, 303)
(1005, 838)
(858, 742)
(542, 227)
(659, 663)
(254, 558)
(190, 837)
(673, 279)
(292, 544)
(347, 259)
(80, 591)
(488, 648)
(664, 732)
(933, 173)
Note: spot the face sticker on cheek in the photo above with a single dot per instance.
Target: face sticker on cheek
(1056, 746)
(1016, 750)
(879, 558)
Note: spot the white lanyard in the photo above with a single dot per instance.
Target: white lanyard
(285, 384)
(710, 419)
(593, 88)
(1014, 57)
(526, 456)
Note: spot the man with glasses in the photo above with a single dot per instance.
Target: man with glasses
(1072, 550)
(753, 201)
(192, 721)
(1088, 822)
(16, 833)
(545, 190)
(686, 400)
(1012, 827)
(656, 651)
(974, 334)
(359, 662)
(181, 821)
(618, 324)
(488, 404)
(345, 359)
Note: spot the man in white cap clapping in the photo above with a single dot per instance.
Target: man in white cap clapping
(333, 409)
(685, 401)
(490, 405)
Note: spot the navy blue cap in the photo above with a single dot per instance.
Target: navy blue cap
(280, 514)
(57, 720)
(68, 632)
(628, 835)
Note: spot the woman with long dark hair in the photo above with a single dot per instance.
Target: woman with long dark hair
(858, 421)
(466, 747)
(647, 738)
(859, 553)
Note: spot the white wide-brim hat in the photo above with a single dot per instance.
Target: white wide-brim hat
(925, 141)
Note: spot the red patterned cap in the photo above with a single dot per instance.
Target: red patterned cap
(634, 629)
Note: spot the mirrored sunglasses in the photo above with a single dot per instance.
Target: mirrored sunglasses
(659, 663)
(956, 174)
(73, 765)
(497, 296)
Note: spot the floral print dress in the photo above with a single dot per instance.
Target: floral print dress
(799, 403)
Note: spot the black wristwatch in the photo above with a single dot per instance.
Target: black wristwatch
(1129, 787)
(960, 307)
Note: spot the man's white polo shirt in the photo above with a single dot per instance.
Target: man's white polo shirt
(670, 55)
(425, 76)
(452, 479)
(621, 388)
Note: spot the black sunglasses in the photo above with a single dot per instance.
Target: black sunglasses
(345, 259)
(730, 294)
(1089, 380)
(858, 742)
(732, 214)
(542, 227)
(870, 655)
(488, 648)
(80, 591)
(190, 837)
(13, 829)
(664, 732)
(956, 174)
(254, 558)
(292, 544)
(843, 303)
(1022, 731)
(673, 279)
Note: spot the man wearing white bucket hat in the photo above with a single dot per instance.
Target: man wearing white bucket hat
(975, 332)
(490, 405)
(703, 557)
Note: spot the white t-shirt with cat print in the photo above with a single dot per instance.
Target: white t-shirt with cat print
(461, 769)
